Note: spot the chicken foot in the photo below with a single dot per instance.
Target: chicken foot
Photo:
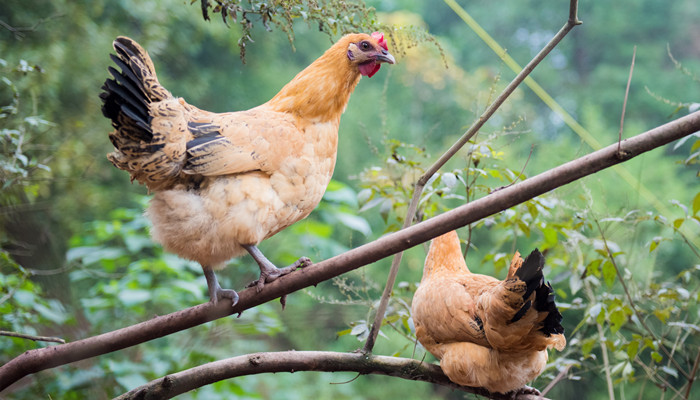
(216, 293)
(268, 271)
(523, 391)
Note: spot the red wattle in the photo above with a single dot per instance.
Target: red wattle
(368, 69)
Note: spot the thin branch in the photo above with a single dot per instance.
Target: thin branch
(423, 180)
(691, 380)
(19, 31)
(560, 376)
(37, 360)
(293, 361)
(606, 362)
(32, 337)
(657, 379)
(633, 305)
(517, 177)
(627, 93)
(603, 347)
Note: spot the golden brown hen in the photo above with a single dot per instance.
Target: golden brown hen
(485, 332)
(223, 182)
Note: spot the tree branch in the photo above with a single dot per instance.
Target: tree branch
(423, 180)
(32, 337)
(37, 360)
(292, 361)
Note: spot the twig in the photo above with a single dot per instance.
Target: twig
(633, 305)
(691, 379)
(532, 148)
(562, 374)
(656, 378)
(32, 337)
(33, 361)
(293, 361)
(627, 92)
(423, 180)
(19, 31)
(603, 347)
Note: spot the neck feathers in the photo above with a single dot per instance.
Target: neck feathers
(445, 256)
(320, 92)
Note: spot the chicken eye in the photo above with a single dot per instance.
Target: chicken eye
(365, 46)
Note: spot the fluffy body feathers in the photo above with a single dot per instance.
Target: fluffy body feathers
(486, 333)
(223, 182)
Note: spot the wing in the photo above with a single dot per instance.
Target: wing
(447, 310)
(240, 142)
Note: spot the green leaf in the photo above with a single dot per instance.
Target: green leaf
(523, 227)
(343, 332)
(670, 371)
(355, 223)
(532, 208)
(632, 349)
(656, 356)
(678, 222)
(593, 268)
(696, 204)
(662, 315)
(340, 193)
(587, 347)
(595, 310)
(134, 296)
(550, 236)
(617, 319)
(609, 273)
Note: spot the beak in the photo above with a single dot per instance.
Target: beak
(386, 57)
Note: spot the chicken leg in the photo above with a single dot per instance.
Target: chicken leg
(216, 293)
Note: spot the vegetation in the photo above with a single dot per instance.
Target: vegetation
(77, 260)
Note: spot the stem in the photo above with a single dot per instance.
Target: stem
(603, 347)
(691, 379)
(32, 337)
(633, 305)
(627, 92)
(473, 129)
(562, 374)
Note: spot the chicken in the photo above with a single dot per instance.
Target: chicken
(485, 332)
(224, 182)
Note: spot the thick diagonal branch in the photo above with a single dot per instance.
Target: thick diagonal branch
(41, 359)
(292, 361)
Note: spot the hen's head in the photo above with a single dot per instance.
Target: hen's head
(368, 52)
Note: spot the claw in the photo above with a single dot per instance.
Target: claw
(216, 293)
(268, 271)
(524, 390)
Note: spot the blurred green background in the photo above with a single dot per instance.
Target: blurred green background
(77, 261)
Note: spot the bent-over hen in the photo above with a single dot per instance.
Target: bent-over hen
(485, 332)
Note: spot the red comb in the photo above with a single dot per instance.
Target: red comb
(379, 37)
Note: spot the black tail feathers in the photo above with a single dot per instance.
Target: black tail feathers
(125, 98)
(530, 272)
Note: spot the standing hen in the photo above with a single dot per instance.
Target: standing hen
(485, 332)
(224, 182)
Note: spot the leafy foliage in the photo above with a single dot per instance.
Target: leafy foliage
(22, 165)
(332, 17)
